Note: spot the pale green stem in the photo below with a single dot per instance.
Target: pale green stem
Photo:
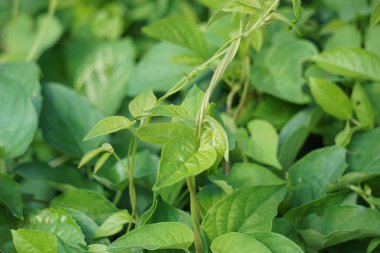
(132, 189)
(42, 32)
(247, 83)
(117, 197)
(195, 213)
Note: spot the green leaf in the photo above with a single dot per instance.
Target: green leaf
(346, 36)
(280, 71)
(262, 144)
(375, 242)
(351, 62)
(215, 136)
(33, 241)
(57, 222)
(109, 125)
(276, 243)
(22, 35)
(297, 10)
(364, 152)
(66, 118)
(260, 207)
(180, 31)
(375, 15)
(236, 243)
(101, 161)
(362, 106)
(103, 74)
(10, 195)
(294, 134)
(193, 101)
(310, 176)
(29, 79)
(331, 98)
(340, 224)
(372, 39)
(90, 203)
(113, 224)
(174, 111)
(163, 212)
(208, 196)
(17, 111)
(142, 102)
(160, 133)
(343, 138)
(181, 158)
(164, 235)
(89, 156)
(251, 174)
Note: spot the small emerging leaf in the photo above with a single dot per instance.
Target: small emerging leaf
(101, 162)
(174, 111)
(109, 125)
(89, 156)
(142, 102)
(113, 224)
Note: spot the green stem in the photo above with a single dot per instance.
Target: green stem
(132, 189)
(195, 213)
(117, 197)
(244, 96)
(41, 33)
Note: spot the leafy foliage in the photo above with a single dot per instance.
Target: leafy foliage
(189, 126)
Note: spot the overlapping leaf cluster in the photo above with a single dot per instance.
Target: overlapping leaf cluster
(197, 126)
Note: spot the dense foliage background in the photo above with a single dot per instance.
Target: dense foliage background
(299, 107)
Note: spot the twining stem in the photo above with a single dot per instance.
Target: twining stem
(244, 96)
(195, 213)
(42, 32)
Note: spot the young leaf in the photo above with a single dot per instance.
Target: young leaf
(297, 10)
(113, 224)
(193, 101)
(164, 235)
(351, 62)
(179, 31)
(142, 102)
(101, 162)
(343, 138)
(375, 15)
(260, 207)
(174, 111)
(362, 106)
(208, 196)
(215, 136)
(161, 132)
(89, 156)
(109, 125)
(331, 98)
(237, 243)
(180, 158)
(10, 195)
(34, 241)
